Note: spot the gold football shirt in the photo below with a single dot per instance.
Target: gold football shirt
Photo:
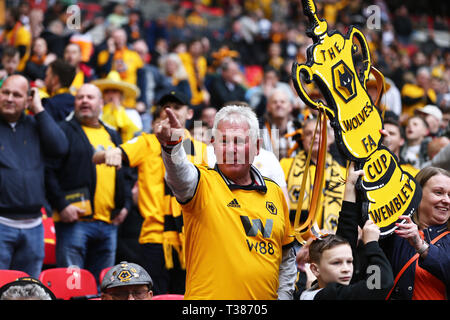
(154, 196)
(234, 238)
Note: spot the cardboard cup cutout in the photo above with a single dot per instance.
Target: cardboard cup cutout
(355, 118)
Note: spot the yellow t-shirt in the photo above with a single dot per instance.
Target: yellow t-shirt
(202, 67)
(330, 10)
(20, 36)
(77, 82)
(118, 118)
(126, 62)
(234, 239)
(154, 196)
(106, 176)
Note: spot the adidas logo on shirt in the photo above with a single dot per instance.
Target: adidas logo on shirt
(234, 204)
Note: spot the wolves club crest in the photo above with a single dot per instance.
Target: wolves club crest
(388, 191)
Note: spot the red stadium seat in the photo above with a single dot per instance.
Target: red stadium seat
(67, 283)
(49, 240)
(7, 276)
(102, 274)
(168, 297)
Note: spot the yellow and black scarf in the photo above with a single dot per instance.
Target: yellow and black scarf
(333, 191)
(173, 235)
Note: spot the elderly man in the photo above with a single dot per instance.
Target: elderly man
(90, 201)
(161, 234)
(227, 86)
(277, 123)
(238, 235)
(24, 142)
(127, 281)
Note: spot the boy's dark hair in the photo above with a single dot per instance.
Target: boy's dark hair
(10, 51)
(396, 123)
(422, 118)
(319, 245)
(65, 72)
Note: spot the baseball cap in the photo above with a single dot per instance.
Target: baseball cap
(431, 110)
(126, 274)
(175, 96)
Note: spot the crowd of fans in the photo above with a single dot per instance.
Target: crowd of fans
(219, 52)
(410, 49)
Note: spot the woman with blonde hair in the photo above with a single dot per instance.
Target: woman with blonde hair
(175, 76)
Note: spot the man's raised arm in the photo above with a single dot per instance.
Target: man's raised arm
(181, 175)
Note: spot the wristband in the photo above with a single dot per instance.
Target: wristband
(423, 248)
(173, 143)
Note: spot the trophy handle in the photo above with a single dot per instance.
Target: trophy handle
(379, 78)
(365, 53)
(296, 69)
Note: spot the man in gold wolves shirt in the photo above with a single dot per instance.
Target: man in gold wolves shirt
(163, 249)
(238, 235)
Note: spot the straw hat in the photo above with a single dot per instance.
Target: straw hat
(113, 81)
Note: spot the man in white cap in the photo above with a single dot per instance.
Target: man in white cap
(433, 116)
(127, 281)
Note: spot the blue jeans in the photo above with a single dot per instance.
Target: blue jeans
(22, 249)
(89, 245)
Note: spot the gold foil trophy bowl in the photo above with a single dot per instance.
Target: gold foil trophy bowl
(355, 118)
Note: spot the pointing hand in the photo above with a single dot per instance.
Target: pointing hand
(169, 131)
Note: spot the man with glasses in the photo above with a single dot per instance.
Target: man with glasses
(127, 281)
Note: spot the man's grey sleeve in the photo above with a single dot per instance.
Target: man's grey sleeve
(181, 175)
(442, 159)
(287, 275)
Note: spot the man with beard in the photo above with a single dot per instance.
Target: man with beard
(89, 200)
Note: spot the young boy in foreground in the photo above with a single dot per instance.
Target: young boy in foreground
(331, 261)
